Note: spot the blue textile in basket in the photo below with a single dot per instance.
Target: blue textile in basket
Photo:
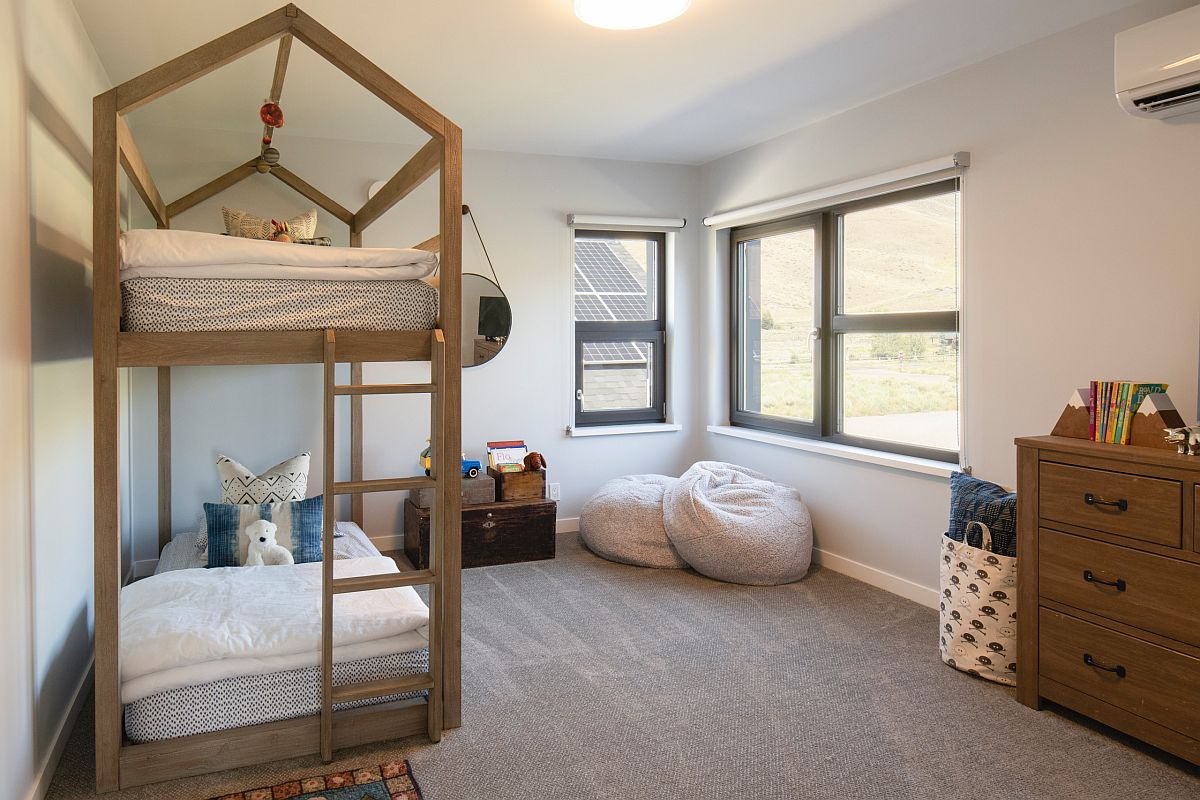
(975, 500)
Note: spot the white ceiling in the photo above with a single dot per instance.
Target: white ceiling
(526, 76)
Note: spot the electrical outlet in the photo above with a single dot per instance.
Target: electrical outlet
(554, 492)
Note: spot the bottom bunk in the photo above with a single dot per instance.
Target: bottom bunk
(210, 650)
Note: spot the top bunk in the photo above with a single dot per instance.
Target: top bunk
(163, 313)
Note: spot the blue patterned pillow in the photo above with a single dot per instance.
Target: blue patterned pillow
(973, 500)
(299, 531)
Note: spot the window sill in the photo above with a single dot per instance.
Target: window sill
(621, 430)
(924, 466)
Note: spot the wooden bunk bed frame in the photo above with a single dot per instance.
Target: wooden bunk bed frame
(120, 764)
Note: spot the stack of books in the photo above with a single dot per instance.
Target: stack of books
(1111, 406)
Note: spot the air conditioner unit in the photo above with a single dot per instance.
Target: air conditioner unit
(1158, 66)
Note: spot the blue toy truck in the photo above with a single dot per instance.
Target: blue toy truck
(470, 467)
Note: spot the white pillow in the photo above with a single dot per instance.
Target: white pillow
(285, 482)
(249, 226)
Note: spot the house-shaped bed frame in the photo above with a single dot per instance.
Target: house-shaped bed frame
(119, 763)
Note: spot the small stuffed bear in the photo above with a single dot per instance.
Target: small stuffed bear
(263, 550)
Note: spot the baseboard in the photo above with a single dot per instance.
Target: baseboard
(45, 774)
(877, 578)
(567, 525)
(143, 568)
(391, 541)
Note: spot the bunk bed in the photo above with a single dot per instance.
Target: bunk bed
(350, 713)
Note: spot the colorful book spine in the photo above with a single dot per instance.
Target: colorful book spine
(1107, 408)
(1123, 399)
(1092, 410)
(1113, 410)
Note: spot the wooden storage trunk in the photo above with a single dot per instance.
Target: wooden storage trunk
(519, 485)
(492, 533)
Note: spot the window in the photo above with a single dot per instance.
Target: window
(620, 320)
(845, 323)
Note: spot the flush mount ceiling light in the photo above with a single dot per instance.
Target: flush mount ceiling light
(629, 14)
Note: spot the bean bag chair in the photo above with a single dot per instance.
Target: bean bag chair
(736, 525)
(623, 522)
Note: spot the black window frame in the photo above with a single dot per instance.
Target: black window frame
(831, 324)
(652, 331)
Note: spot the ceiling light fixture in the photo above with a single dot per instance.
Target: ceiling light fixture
(629, 14)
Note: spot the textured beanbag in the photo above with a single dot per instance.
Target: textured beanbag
(623, 522)
(735, 525)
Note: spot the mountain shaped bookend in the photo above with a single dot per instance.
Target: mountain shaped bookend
(1156, 413)
(1074, 422)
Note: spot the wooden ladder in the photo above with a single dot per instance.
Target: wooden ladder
(431, 680)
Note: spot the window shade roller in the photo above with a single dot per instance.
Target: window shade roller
(903, 178)
(602, 222)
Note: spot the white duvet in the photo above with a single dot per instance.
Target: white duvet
(192, 626)
(191, 254)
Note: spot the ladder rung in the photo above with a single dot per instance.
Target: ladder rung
(386, 388)
(385, 580)
(384, 485)
(349, 692)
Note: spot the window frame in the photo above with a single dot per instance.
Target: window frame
(831, 324)
(654, 331)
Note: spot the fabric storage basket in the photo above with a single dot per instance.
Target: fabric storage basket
(979, 607)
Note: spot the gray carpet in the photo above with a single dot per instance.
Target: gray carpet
(587, 679)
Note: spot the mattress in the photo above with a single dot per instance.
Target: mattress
(188, 551)
(266, 689)
(161, 305)
(255, 699)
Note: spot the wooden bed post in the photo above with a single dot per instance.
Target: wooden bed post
(106, 323)
(449, 537)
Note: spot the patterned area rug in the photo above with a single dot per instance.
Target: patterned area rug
(390, 781)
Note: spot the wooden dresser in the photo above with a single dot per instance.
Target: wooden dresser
(1109, 586)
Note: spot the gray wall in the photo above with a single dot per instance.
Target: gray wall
(48, 74)
(1078, 261)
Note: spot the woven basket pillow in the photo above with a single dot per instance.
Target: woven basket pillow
(623, 522)
(736, 525)
(248, 226)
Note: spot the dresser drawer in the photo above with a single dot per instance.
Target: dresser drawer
(1147, 680)
(1147, 509)
(1155, 593)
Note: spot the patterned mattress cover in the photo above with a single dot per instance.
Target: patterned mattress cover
(160, 305)
(254, 699)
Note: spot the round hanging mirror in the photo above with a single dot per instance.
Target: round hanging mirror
(486, 319)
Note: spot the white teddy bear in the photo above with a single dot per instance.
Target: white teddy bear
(263, 550)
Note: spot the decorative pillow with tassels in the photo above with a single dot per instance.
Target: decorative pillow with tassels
(284, 482)
(249, 226)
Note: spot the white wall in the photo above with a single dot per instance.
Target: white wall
(50, 73)
(261, 415)
(1078, 255)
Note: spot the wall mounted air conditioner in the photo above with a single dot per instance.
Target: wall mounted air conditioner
(1158, 66)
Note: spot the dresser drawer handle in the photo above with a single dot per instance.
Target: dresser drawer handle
(1119, 583)
(1093, 500)
(1091, 662)
(491, 523)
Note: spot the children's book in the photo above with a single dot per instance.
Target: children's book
(507, 456)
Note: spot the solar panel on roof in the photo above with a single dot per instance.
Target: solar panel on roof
(615, 352)
(610, 284)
